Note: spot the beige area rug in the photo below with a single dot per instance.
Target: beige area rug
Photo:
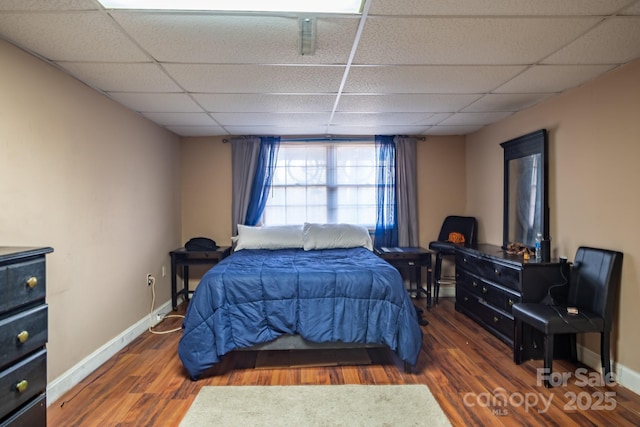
(310, 358)
(317, 405)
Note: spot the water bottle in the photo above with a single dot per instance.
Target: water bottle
(539, 247)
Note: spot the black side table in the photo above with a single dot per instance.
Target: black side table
(411, 259)
(182, 258)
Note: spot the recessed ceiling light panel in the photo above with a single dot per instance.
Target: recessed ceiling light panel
(295, 6)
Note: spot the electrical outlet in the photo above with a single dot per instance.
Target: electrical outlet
(149, 279)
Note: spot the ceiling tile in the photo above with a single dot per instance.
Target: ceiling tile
(77, 36)
(377, 130)
(49, 5)
(404, 103)
(267, 103)
(181, 119)
(634, 9)
(157, 102)
(440, 41)
(271, 119)
(255, 39)
(452, 130)
(552, 78)
(437, 118)
(616, 40)
(506, 102)
(276, 130)
(496, 7)
(428, 79)
(120, 77)
(256, 78)
(198, 130)
(471, 119)
(379, 119)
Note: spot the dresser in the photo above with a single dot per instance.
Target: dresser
(489, 281)
(23, 336)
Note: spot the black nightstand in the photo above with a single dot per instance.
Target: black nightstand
(411, 260)
(182, 258)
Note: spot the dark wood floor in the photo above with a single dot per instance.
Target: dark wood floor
(469, 371)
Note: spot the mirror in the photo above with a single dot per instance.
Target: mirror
(526, 206)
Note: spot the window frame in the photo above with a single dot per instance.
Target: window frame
(331, 185)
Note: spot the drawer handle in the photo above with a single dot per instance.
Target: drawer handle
(464, 260)
(484, 290)
(411, 263)
(22, 386)
(475, 284)
(466, 299)
(510, 302)
(32, 282)
(23, 337)
(497, 272)
(495, 319)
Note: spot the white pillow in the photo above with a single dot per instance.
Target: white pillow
(330, 236)
(272, 237)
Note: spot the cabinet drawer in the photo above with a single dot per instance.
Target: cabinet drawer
(30, 374)
(502, 274)
(32, 414)
(25, 283)
(496, 321)
(494, 295)
(22, 333)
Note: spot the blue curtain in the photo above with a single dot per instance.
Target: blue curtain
(386, 233)
(261, 186)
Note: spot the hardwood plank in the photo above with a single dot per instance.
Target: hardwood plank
(467, 369)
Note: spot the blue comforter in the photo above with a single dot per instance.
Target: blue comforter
(254, 296)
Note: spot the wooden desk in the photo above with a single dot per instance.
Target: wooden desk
(411, 260)
(182, 258)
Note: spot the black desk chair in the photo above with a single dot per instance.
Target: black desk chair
(464, 225)
(594, 282)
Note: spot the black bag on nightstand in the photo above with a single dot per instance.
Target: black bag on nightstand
(201, 244)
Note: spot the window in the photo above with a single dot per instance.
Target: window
(323, 183)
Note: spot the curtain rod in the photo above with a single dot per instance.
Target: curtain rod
(328, 139)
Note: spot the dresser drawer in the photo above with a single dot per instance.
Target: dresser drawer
(23, 381)
(496, 321)
(31, 415)
(503, 274)
(497, 296)
(22, 333)
(24, 283)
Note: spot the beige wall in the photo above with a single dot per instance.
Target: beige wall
(206, 189)
(97, 183)
(441, 179)
(594, 148)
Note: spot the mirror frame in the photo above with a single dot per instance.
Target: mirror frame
(523, 146)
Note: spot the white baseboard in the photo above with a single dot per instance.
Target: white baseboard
(447, 291)
(626, 377)
(73, 376)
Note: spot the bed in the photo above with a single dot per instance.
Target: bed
(318, 289)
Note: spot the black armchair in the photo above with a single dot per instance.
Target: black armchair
(593, 284)
(465, 225)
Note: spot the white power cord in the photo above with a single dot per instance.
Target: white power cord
(153, 302)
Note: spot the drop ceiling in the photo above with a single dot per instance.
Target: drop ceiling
(417, 67)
